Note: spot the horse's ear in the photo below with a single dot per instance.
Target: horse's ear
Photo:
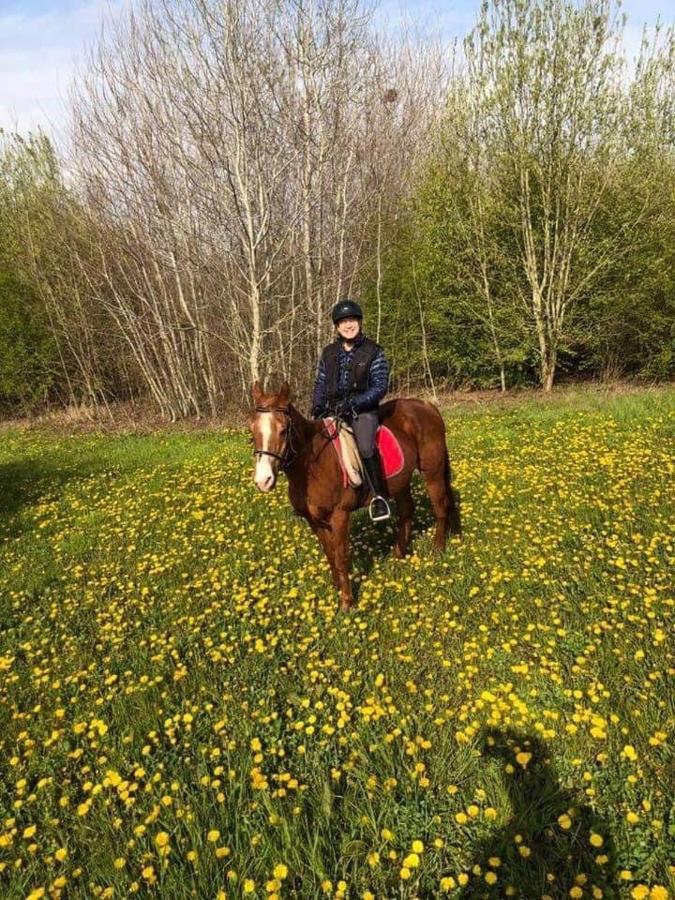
(284, 393)
(257, 392)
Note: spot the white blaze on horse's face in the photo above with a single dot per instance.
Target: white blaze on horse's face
(265, 474)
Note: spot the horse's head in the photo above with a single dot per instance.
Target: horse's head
(270, 425)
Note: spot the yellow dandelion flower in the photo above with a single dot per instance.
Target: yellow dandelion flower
(639, 892)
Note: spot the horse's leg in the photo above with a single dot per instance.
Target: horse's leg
(326, 539)
(454, 511)
(340, 536)
(405, 509)
(439, 494)
(328, 544)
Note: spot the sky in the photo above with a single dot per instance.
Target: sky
(42, 42)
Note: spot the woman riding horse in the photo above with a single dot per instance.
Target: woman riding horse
(352, 378)
(284, 440)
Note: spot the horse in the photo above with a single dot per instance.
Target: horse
(284, 440)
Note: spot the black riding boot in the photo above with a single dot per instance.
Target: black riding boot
(379, 508)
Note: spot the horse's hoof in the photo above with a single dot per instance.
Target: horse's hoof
(345, 606)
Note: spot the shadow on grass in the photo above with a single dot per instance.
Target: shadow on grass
(371, 542)
(23, 483)
(547, 819)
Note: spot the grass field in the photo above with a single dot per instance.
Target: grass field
(183, 712)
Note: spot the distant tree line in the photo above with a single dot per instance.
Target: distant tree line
(505, 210)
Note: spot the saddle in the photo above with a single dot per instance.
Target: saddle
(344, 443)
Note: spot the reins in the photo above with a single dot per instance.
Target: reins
(289, 453)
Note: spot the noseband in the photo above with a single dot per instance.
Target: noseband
(287, 457)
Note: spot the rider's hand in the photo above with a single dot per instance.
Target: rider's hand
(344, 410)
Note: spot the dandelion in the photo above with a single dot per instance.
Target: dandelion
(639, 892)
(415, 670)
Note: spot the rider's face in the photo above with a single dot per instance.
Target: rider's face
(349, 328)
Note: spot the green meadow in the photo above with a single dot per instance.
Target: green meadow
(184, 712)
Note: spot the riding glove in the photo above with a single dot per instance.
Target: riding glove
(344, 409)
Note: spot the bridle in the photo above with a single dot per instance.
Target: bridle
(288, 455)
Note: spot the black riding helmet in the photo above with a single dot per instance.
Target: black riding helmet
(346, 309)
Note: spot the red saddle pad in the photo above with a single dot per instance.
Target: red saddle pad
(390, 452)
(391, 455)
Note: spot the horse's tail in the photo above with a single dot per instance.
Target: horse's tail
(454, 500)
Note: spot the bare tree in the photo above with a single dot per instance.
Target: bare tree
(547, 79)
(228, 148)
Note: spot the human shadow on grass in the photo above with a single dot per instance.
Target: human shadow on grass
(545, 849)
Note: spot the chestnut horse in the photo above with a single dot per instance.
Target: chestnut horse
(283, 439)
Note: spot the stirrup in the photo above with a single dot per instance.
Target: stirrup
(381, 518)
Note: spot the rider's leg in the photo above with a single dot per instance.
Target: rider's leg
(365, 429)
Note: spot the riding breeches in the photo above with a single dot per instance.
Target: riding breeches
(365, 429)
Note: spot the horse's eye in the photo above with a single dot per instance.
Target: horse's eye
(283, 432)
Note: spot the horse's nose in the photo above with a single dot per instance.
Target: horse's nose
(265, 484)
